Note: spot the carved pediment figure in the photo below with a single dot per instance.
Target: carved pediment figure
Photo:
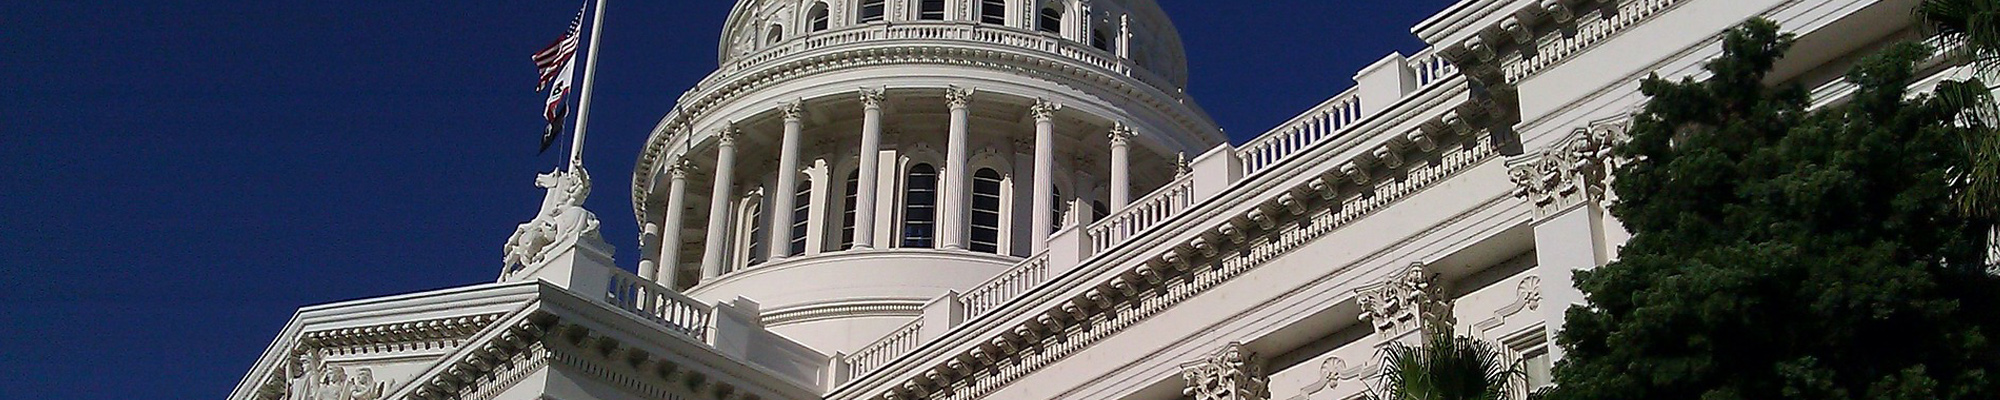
(363, 386)
(562, 218)
(301, 374)
(331, 385)
(1233, 373)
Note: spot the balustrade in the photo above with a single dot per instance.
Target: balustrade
(1009, 284)
(1143, 214)
(1315, 125)
(896, 344)
(658, 303)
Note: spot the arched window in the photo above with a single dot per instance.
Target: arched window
(755, 218)
(920, 207)
(931, 10)
(993, 12)
(819, 18)
(986, 211)
(801, 215)
(1098, 210)
(847, 203)
(1051, 20)
(1099, 40)
(776, 35)
(872, 11)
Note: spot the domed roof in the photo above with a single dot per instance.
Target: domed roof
(757, 26)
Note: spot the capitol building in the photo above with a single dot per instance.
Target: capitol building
(1018, 200)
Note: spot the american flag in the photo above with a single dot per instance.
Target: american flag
(556, 63)
(552, 59)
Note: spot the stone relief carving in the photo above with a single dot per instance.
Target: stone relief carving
(1233, 373)
(562, 218)
(1411, 301)
(1571, 172)
(312, 379)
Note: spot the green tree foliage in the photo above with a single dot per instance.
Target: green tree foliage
(1974, 25)
(1448, 367)
(1781, 253)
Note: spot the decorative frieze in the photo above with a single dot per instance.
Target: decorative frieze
(1232, 373)
(1574, 171)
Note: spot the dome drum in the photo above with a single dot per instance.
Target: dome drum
(887, 150)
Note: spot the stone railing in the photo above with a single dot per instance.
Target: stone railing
(896, 344)
(678, 313)
(959, 31)
(1008, 285)
(1326, 121)
(1430, 67)
(1141, 215)
(1307, 129)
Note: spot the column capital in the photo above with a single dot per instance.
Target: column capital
(1122, 134)
(679, 169)
(872, 97)
(1575, 170)
(1044, 110)
(726, 135)
(794, 110)
(1231, 373)
(959, 97)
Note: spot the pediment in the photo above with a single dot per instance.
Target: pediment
(368, 349)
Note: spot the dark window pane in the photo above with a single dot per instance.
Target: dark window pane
(993, 12)
(872, 11)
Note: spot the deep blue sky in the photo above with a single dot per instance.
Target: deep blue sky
(181, 175)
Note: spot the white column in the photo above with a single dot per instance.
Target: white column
(1125, 36)
(649, 251)
(1121, 167)
(871, 155)
(713, 256)
(670, 235)
(951, 224)
(788, 182)
(1045, 174)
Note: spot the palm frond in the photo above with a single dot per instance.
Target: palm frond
(1447, 367)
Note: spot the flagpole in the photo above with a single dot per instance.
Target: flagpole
(583, 97)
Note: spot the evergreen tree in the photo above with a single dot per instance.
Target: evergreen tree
(1785, 253)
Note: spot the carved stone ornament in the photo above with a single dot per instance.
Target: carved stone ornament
(1233, 373)
(1571, 172)
(872, 98)
(1044, 110)
(561, 220)
(310, 378)
(1407, 302)
(958, 97)
(1121, 134)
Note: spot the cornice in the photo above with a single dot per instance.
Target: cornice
(848, 308)
(443, 328)
(591, 338)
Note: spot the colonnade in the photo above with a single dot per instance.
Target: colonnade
(954, 204)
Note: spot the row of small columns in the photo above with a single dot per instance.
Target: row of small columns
(952, 225)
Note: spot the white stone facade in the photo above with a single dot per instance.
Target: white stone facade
(1015, 199)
